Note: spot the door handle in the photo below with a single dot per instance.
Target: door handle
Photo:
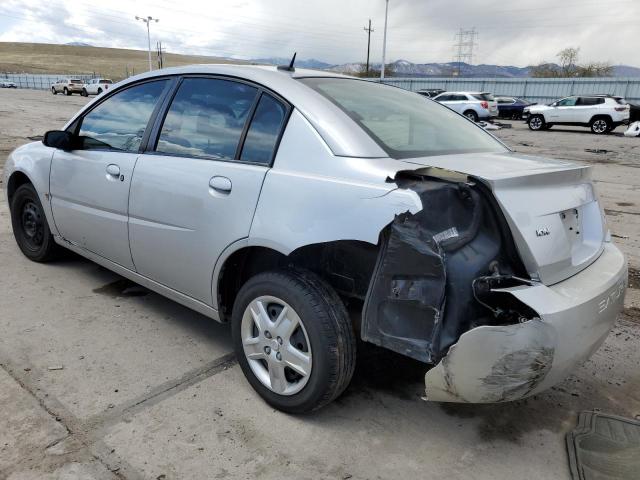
(113, 170)
(220, 184)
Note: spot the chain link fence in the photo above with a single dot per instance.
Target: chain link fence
(38, 81)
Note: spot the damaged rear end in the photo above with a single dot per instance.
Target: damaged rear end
(505, 280)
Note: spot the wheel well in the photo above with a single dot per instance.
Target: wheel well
(606, 117)
(347, 265)
(470, 110)
(15, 180)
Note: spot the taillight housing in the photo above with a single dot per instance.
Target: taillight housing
(484, 105)
(622, 109)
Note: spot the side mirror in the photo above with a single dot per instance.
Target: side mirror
(60, 139)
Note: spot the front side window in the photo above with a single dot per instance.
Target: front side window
(119, 122)
(567, 102)
(402, 123)
(262, 136)
(206, 118)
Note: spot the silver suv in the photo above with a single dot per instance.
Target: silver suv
(67, 86)
(308, 209)
(473, 105)
(601, 113)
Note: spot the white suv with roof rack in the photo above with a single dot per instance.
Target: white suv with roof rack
(601, 113)
(473, 105)
(96, 86)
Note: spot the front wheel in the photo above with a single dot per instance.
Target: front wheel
(601, 126)
(536, 122)
(293, 339)
(30, 227)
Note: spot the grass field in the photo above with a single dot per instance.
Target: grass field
(66, 59)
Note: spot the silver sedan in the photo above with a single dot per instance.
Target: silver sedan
(309, 209)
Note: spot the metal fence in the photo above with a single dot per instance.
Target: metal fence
(37, 81)
(541, 90)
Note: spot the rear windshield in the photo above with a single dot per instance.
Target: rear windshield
(73, 80)
(487, 97)
(404, 124)
(105, 80)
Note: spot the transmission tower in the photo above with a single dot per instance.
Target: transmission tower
(465, 43)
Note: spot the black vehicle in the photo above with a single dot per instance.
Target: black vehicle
(634, 113)
(511, 107)
(430, 92)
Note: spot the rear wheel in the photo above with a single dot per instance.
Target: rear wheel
(30, 227)
(293, 339)
(84, 92)
(536, 122)
(66, 91)
(99, 91)
(53, 90)
(471, 115)
(601, 125)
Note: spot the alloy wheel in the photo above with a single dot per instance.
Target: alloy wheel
(276, 345)
(535, 123)
(600, 126)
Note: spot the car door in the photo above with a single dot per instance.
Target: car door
(586, 108)
(90, 184)
(195, 191)
(563, 111)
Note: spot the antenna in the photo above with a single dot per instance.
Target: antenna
(289, 68)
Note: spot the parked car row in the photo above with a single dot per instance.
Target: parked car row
(600, 113)
(7, 84)
(69, 86)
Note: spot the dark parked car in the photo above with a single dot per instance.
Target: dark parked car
(511, 107)
(430, 92)
(634, 114)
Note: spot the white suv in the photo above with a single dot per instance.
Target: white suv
(96, 86)
(473, 105)
(601, 113)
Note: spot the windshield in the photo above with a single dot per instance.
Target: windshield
(404, 124)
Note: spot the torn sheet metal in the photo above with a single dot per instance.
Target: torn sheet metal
(501, 363)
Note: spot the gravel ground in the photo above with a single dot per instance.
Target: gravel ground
(99, 380)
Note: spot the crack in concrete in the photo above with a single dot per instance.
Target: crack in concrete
(89, 432)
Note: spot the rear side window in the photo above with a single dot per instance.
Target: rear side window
(264, 132)
(119, 122)
(620, 101)
(206, 118)
(487, 97)
(586, 101)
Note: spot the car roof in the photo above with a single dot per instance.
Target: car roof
(340, 133)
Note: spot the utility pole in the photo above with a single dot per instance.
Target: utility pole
(384, 40)
(160, 55)
(368, 30)
(148, 20)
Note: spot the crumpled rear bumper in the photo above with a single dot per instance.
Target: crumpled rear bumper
(503, 363)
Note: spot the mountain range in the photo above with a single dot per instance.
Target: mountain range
(405, 68)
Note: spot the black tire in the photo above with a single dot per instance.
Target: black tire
(53, 90)
(327, 324)
(99, 91)
(84, 92)
(66, 91)
(471, 115)
(30, 227)
(601, 125)
(536, 122)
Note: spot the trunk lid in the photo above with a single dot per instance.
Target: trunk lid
(550, 205)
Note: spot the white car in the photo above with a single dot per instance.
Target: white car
(473, 105)
(601, 113)
(96, 86)
(6, 84)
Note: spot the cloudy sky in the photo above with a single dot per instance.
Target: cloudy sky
(516, 32)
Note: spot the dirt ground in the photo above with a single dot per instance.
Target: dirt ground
(102, 380)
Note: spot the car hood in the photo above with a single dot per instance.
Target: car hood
(550, 205)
